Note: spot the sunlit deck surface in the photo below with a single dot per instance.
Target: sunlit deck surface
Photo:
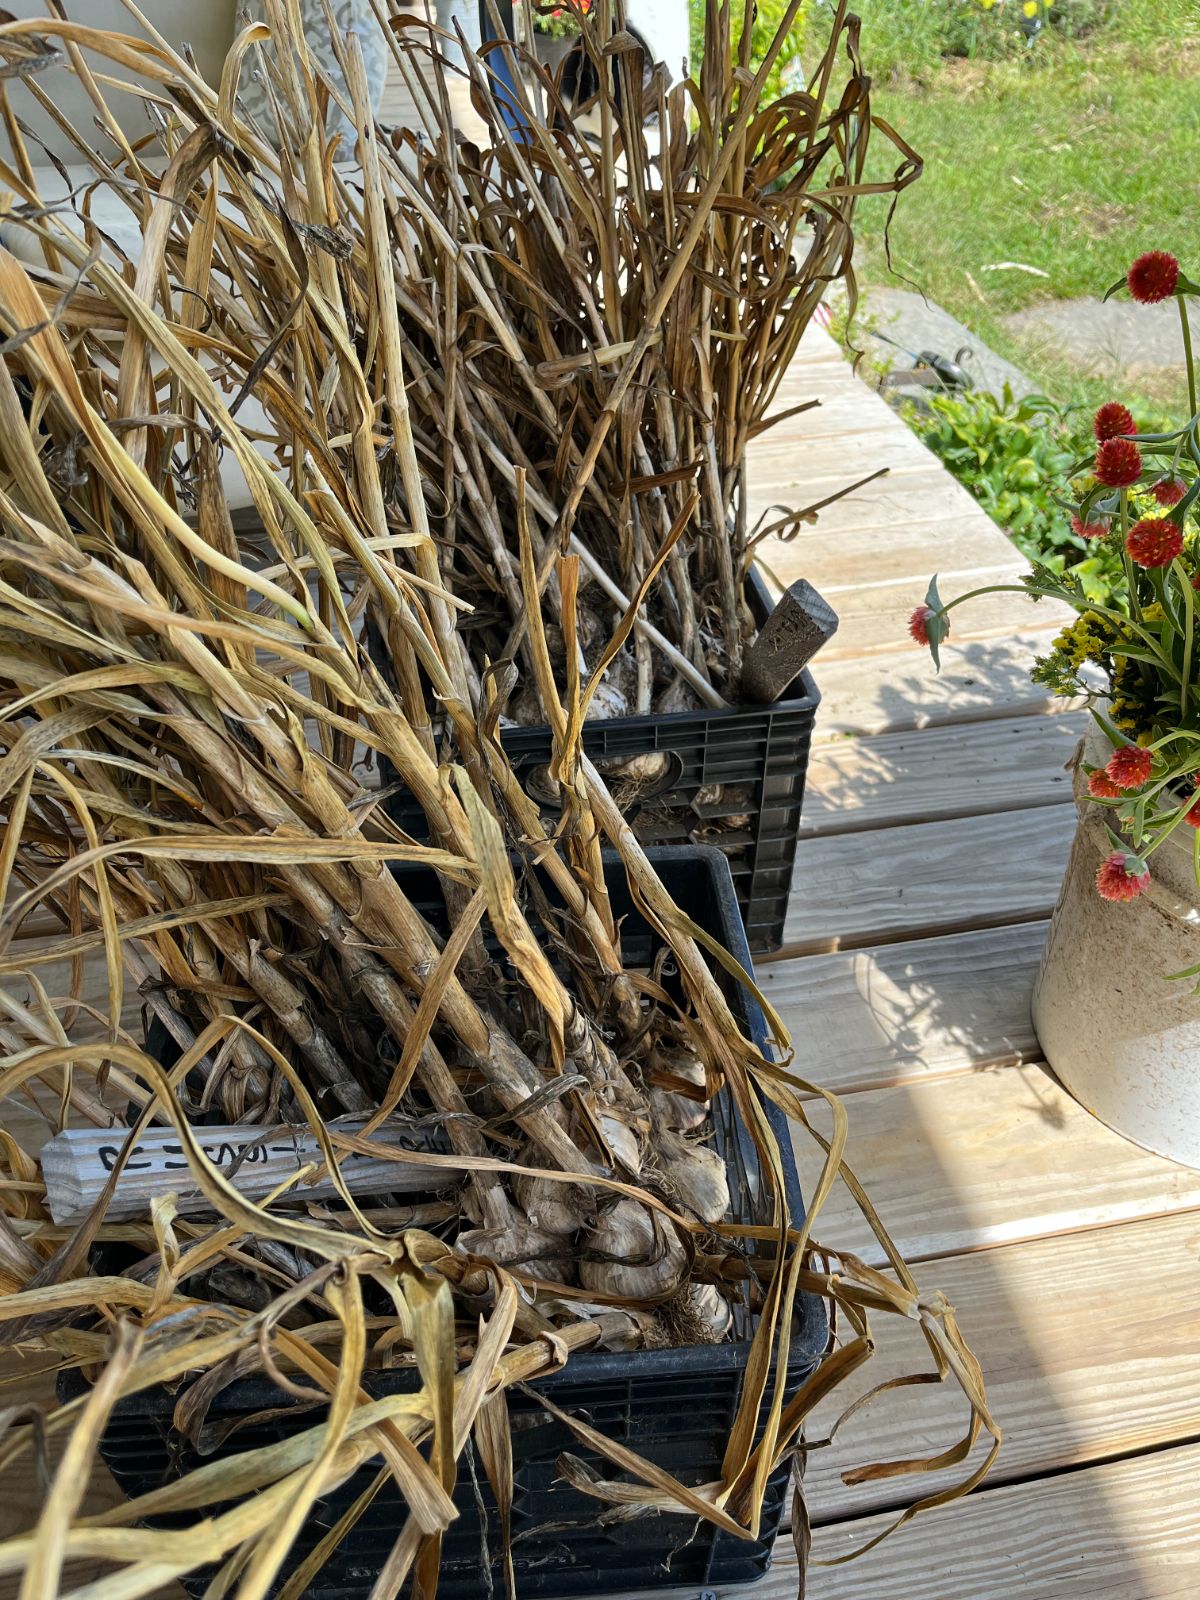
(937, 824)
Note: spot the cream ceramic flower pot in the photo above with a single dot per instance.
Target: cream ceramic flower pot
(1123, 1040)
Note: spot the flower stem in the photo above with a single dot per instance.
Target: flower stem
(1187, 350)
(1189, 601)
(1135, 605)
(988, 588)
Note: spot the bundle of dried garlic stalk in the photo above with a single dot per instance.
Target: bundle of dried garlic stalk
(188, 714)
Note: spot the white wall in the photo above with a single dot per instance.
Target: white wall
(207, 25)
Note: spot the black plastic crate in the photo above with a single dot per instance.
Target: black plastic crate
(757, 756)
(673, 1406)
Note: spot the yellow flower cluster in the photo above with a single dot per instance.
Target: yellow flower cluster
(1088, 638)
(1132, 709)
(1092, 637)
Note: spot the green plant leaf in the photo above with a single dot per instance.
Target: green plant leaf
(936, 625)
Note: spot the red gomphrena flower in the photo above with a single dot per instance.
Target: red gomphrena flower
(1192, 815)
(1118, 463)
(1153, 277)
(1101, 786)
(1094, 528)
(1169, 491)
(1122, 876)
(1154, 541)
(1113, 419)
(918, 625)
(1130, 766)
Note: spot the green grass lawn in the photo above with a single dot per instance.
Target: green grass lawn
(1070, 158)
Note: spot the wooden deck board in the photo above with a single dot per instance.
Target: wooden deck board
(1126, 1530)
(836, 546)
(1055, 1378)
(1069, 1253)
(929, 877)
(989, 1158)
(831, 459)
(1122, 1530)
(890, 504)
(837, 413)
(921, 1009)
(980, 679)
(858, 784)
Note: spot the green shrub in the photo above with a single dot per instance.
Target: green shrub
(907, 40)
(1013, 456)
(767, 17)
(1076, 19)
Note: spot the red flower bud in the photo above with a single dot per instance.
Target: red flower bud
(918, 628)
(1153, 277)
(1118, 463)
(1130, 766)
(1154, 541)
(1122, 876)
(1113, 419)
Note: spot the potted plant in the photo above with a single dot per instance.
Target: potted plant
(556, 29)
(1124, 1042)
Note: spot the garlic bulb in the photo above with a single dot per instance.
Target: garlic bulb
(609, 699)
(521, 1248)
(693, 1178)
(548, 1205)
(650, 767)
(643, 1256)
(541, 785)
(670, 1109)
(677, 696)
(676, 1111)
(622, 1141)
(711, 1306)
(525, 709)
(676, 1062)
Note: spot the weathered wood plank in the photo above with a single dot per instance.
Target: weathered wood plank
(968, 1162)
(818, 345)
(1126, 1530)
(885, 503)
(857, 784)
(836, 548)
(935, 877)
(794, 459)
(980, 679)
(871, 1018)
(1077, 1367)
(398, 107)
(55, 979)
(845, 408)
